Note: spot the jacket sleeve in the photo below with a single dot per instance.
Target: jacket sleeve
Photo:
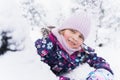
(98, 62)
(103, 70)
(44, 47)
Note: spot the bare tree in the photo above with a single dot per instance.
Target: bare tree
(33, 13)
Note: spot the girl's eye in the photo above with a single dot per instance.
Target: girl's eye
(81, 36)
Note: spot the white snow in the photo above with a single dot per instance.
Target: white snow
(26, 65)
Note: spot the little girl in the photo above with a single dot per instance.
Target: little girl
(63, 49)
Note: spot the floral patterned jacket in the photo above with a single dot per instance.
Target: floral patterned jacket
(60, 62)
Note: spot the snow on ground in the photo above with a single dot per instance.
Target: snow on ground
(26, 65)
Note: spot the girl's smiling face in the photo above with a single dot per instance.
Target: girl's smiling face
(73, 38)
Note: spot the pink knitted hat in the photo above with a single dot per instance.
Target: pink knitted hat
(80, 22)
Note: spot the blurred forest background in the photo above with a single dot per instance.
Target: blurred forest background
(21, 21)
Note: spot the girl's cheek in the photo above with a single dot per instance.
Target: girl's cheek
(80, 43)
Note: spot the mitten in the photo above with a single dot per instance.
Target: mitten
(100, 74)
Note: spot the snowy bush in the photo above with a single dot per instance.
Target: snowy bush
(7, 42)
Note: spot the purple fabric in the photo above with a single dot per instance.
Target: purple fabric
(60, 62)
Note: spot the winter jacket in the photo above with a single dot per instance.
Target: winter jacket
(60, 62)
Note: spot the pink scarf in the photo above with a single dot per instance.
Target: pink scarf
(62, 41)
